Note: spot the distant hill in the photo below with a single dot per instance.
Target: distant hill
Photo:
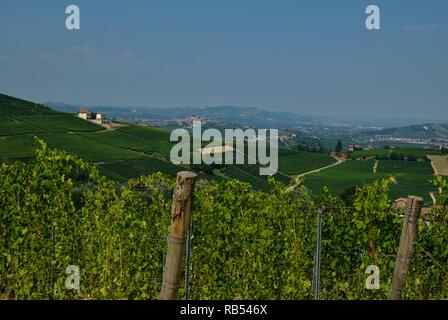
(422, 131)
(133, 150)
(224, 114)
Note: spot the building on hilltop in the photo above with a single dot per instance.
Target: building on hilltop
(85, 114)
(95, 117)
(101, 118)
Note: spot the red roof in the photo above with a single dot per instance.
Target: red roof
(84, 111)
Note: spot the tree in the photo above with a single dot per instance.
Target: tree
(338, 146)
(394, 156)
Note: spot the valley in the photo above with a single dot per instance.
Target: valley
(132, 150)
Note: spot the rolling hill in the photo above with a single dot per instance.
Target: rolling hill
(132, 150)
(123, 153)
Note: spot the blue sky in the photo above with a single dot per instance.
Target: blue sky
(311, 57)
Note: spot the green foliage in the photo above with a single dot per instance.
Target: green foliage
(368, 234)
(59, 211)
(250, 245)
(117, 237)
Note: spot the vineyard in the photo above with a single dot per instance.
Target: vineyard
(386, 153)
(411, 177)
(251, 174)
(245, 244)
(296, 162)
(129, 169)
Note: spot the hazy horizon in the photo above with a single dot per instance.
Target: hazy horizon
(313, 58)
(409, 120)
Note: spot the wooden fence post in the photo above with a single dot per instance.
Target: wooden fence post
(181, 215)
(406, 250)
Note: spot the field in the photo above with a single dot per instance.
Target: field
(250, 174)
(10, 106)
(158, 140)
(149, 140)
(89, 149)
(134, 168)
(297, 162)
(131, 151)
(413, 178)
(419, 153)
(238, 172)
(58, 123)
(342, 176)
(440, 164)
(121, 154)
(15, 148)
(10, 127)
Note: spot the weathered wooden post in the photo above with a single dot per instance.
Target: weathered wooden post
(181, 215)
(406, 250)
